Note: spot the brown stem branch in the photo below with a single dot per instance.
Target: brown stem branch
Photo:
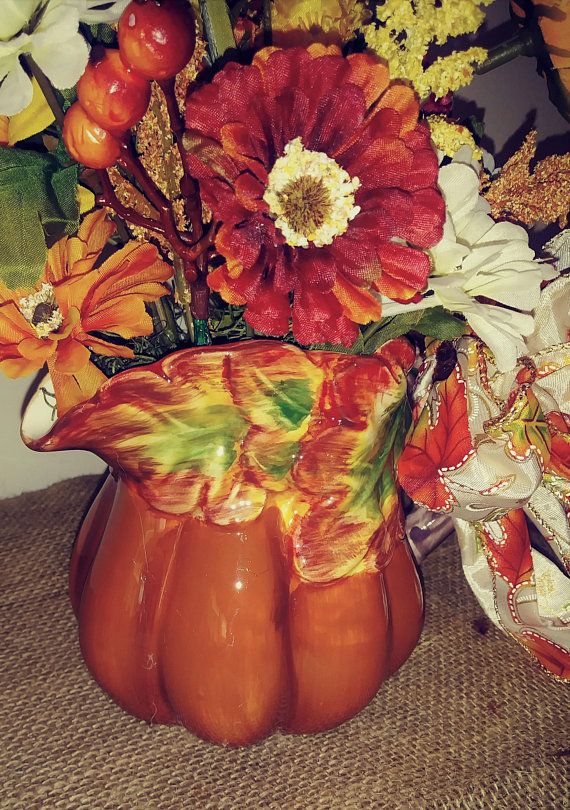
(108, 197)
(181, 244)
(47, 89)
(188, 185)
(194, 272)
(267, 29)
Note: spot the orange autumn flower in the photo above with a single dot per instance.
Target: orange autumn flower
(54, 322)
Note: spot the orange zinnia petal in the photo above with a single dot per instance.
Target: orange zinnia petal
(36, 350)
(71, 389)
(401, 98)
(14, 367)
(78, 254)
(136, 270)
(71, 356)
(126, 317)
(218, 281)
(96, 229)
(357, 304)
(106, 348)
(13, 326)
(369, 74)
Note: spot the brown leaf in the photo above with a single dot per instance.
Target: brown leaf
(530, 197)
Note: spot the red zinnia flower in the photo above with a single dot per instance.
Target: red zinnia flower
(324, 184)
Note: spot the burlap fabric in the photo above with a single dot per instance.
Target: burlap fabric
(469, 722)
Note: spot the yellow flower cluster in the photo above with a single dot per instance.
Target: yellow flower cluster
(407, 30)
(452, 72)
(448, 137)
(300, 22)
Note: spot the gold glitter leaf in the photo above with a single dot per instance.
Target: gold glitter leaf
(530, 197)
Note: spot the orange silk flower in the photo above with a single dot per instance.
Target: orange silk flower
(54, 322)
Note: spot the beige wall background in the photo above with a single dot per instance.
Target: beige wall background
(513, 99)
(23, 470)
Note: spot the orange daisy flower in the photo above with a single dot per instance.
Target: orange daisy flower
(54, 322)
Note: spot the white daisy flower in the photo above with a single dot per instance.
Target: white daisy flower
(482, 269)
(46, 30)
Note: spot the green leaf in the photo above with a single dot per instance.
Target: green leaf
(439, 323)
(38, 199)
(218, 28)
(356, 348)
(103, 33)
(68, 97)
(435, 322)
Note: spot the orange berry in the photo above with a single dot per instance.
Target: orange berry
(87, 142)
(157, 37)
(113, 95)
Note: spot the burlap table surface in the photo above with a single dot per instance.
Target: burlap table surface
(468, 722)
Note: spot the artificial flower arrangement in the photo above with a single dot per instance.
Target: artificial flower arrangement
(269, 208)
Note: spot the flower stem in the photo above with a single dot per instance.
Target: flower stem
(199, 307)
(526, 43)
(167, 320)
(202, 334)
(182, 292)
(47, 89)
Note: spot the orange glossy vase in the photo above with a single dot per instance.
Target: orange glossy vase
(243, 569)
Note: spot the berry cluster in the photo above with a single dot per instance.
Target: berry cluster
(156, 40)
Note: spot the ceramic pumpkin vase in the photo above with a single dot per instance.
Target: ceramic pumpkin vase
(243, 568)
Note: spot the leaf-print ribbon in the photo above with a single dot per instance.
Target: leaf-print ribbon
(492, 450)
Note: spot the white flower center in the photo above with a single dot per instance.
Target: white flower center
(42, 311)
(310, 196)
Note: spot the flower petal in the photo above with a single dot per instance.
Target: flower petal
(126, 317)
(358, 305)
(71, 356)
(319, 318)
(405, 271)
(62, 72)
(220, 281)
(15, 91)
(401, 98)
(339, 113)
(37, 350)
(369, 74)
(72, 389)
(270, 312)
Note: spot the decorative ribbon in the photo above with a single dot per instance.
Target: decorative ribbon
(492, 451)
